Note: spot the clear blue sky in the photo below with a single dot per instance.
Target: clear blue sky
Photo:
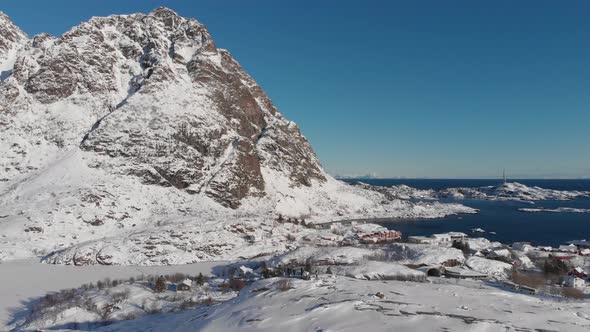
(452, 89)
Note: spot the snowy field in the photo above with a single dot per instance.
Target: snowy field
(27, 279)
(343, 304)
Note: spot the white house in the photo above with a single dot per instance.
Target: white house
(568, 248)
(522, 246)
(457, 236)
(575, 282)
(443, 239)
(422, 240)
(581, 244)
(244, 272)
(185, 285)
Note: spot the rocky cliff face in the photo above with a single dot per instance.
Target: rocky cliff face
(154, 94)
(11, 39)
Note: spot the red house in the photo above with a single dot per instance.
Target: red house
(578, 272)
(380, 237)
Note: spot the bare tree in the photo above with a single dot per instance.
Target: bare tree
(160, 285)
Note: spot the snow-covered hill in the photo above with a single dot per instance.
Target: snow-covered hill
(513, 191)
(334, 303)
(133, 139)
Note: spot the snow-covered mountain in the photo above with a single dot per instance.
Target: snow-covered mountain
(133, 139)
(154, 95)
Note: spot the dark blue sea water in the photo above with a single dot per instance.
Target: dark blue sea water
(502, 217)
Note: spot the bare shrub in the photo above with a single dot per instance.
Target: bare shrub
(106, 311)
(554, 265)
(407, 277)
(177, 277)
(237, 284)
(101, 284)
(207, 301)
(572, 293)
(200, 279)
(89, 305)
(234, 284)
(160, 285)
(528, 279)
(284, 285)
(121, 296)
(337, 231)
(260, 289)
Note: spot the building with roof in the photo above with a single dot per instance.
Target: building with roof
(522, 246)
(580, 244)
(442, 239)
(184, 286)
(578, 272)
(575, 282)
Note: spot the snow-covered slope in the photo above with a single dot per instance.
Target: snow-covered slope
(345, 304)
(133, 139)
(488, 266)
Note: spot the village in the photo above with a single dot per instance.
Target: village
(360, 251)
(384, 254)
(519, 266)
(331, 253)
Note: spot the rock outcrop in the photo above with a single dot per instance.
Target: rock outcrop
(11, 39)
